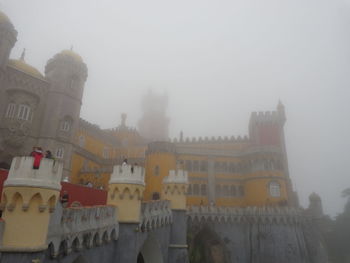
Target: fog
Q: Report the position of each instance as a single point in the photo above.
(218, 61)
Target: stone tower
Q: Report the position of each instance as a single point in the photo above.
(154, 124)
(8, 38)
(67, 74)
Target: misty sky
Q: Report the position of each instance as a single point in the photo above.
(217, 61)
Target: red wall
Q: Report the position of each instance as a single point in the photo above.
(269, 134)
(3, 177)
(86, 196)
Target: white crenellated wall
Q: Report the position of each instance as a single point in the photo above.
(47, 176)
(127, 174)
(176, 177)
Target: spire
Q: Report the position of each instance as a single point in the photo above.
(181, 136)
(123, 123)
(23, 55)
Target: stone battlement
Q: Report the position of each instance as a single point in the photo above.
(265, 116)
(47, 176)
(127, 174)
(283, 215)
(155, 214)
(176, 177)
(225, 139)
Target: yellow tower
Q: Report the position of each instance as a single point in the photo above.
(175, 189)
(160, 159)
(29, 197)
(126, 188)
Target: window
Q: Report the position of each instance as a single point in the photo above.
(155, 196)
(189, 166)
(204, 166)
(226, 191)
(81, 140)
(66, 125)
(60, 153)
(275, 189)
(241, 190)
(11, 110)
(156, 170)
(204, 189)
(189, 190)
(195, 189)
(218, 190)
(105, 153)
(72, 82)
(23, 112)
(233, 190)
(195, 166)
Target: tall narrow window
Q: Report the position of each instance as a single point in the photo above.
(11, 110)
(196, 189)
(156, 170)
(66, 125)
(105, 153)
(233, 190)
(241, 190)
(189, 166)
(275, 189)
(23, 112)
(81, 140)
(60, 152)
(195, 166)
(204, 189)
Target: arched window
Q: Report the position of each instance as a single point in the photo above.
(11, 110)
(224, 167)
(226, 190)
(218, 190)
(23, 112)
(204, 189)
(275, 189)
(156, 170)
(217, 167)
(60, 152)
(105, 153)
(66, 124)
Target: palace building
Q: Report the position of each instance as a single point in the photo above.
(43, 109)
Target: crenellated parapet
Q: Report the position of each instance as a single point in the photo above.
(264, 215)
(175, 189)
(155, 214)
(212, 140)
(125, 191)
(82, 228)
(22, 173)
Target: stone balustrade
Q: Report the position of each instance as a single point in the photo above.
(279, 215)
(155, 214)
(127, 174)
(47, 176)
(82, 227)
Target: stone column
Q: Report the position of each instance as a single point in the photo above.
(175, 189)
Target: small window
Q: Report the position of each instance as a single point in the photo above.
(60, 153)
(73, 82)
(156, 170)
(11, 110)
(189, 190)
(275, 189)
(204, 166)
(189, 166)
(195, 166)
(218, 190)
(23, 112)
(105, 153)
(204, 189)
(155, 196)
(66, 125)
(81, 140)
(226, 191)
(241, 190)
(233, 190)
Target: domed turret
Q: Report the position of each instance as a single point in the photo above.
(8, 38)
(67, 74)
(315, 206)
(21, 65)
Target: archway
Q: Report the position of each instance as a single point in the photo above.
(205, 246)
(150, 252)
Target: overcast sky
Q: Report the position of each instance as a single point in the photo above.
(218, 61)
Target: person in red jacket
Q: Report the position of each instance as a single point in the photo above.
(37, 153)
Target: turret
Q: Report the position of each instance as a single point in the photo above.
(315, 206)
(67, 74)
(29, 197)
(8, 38)
(175, 189)
(126, 188)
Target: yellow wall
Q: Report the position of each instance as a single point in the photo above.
(20, 232)
(166, 162)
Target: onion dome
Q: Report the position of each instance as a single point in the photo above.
(22, 66)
